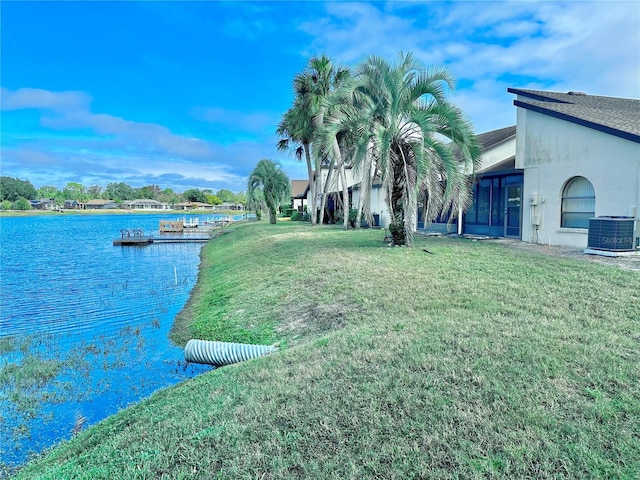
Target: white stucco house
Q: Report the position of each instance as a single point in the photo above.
(299, 192)
(569, 159)
(580, 157)
(144, 204)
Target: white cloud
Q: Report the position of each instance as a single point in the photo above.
(33, 98)
(71, 111)
(242, 120)
(116, 150)
(589, 46)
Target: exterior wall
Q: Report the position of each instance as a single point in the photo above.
(551, 151)
(378, 204)
(335, 184)
(298, 204)
(498, 153)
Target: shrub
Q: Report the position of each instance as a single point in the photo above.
(21, 204)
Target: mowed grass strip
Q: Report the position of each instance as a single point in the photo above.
(475, 361)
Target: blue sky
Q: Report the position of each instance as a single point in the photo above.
(189, 94)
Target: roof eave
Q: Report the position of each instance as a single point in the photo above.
(534, 96)
(579, 121)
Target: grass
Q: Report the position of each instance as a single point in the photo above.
(474, 362)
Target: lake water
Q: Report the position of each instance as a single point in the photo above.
(106, 310)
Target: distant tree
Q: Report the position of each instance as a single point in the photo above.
(241, 198)
(119, 192)
(94, 191)
(75, 191)
(13, 188)
(21, 204)
(195, 195)
(268, 186)
(150, 191)
(213, 200)
(168, 196)
(226, 195)
(49, 191)
(5, 205)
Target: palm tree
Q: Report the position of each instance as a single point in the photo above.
(408, 132)
(268, 186)
(300, 123)
(325, 79)
(296, 130)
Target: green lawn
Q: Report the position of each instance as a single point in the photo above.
(476, 361)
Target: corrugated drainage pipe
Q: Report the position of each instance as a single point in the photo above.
(223, 353)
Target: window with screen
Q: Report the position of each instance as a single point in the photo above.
(578, 203)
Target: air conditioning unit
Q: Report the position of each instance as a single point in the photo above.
(614, 234)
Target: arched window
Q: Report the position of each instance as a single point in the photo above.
(578, 203)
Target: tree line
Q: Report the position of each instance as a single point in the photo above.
(16, 193)
(393, 123)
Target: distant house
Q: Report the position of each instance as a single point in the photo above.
(192, 206)
(144, 204)
(299, 191)
(580, 157)
(229, 206)
(99, 204)
(182, 206)
(73, 205)
(43, 204)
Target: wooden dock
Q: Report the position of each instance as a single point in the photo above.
(133, 241)
(170, 232)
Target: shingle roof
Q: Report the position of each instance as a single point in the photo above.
(489, 139)
(299, 188)
(612, 115)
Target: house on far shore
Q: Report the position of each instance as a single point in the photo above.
(192, 206)
(228, 206)
(144, 204)
(580, 157)
(43, 204)
(73, 205)
(299, 191)
(100, 204)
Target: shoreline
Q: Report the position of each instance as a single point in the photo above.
(116, 211)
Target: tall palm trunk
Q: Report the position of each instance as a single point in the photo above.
(312, 185)
(272, 216)
(397, 226)
(326, 190)
(320, 192)
(343, 180)
(345, 196)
